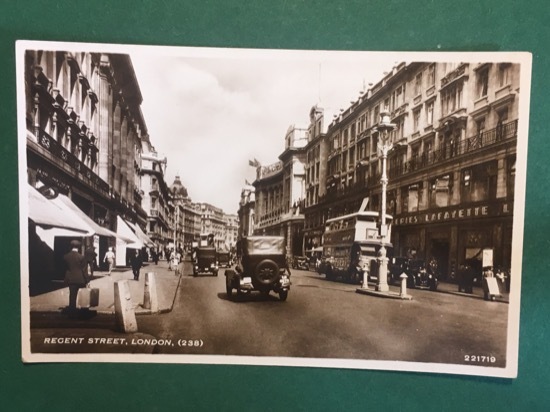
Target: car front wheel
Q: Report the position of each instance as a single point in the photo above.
(283, 294)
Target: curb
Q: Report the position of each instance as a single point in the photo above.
(386, 295)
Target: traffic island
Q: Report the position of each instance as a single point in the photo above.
(402, 295)
(387, 295)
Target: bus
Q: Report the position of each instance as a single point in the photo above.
(206, 239)
(351, 245)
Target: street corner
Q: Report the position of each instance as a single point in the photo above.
(94, 341)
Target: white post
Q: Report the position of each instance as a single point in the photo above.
(403, 291)
(124, 310)
(150, 297)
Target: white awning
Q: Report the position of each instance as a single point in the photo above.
(125, 232)
(49, 214)
(99, 230)
(142, 236)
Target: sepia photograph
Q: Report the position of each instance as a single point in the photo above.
(341, 209)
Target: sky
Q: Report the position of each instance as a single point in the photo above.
(210, 111)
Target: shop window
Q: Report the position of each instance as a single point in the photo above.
(410, 198)
(440, 191)
(479, 183)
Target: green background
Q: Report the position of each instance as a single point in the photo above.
(353, 25)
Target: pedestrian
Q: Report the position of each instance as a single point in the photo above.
(75, 274)
(90, 256)
(171, 259)
(155, 256)
(110, 259)
(136, 261)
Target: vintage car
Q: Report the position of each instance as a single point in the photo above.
(205, 261)
(261, 266)
(422, 275)
(398, 265)
(419, 274)
(300, 262)
(224, 259)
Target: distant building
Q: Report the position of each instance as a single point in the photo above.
(189, 223)
(231, 230)
(246, 212)
(157, 197)
(280, 191)
(212, 222)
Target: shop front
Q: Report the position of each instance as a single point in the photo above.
(456, 235)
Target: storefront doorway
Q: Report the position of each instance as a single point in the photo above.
(439, 249)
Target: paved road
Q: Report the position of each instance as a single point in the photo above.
(324, 319)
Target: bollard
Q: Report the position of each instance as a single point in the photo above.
(124, 311)
(403, 278)
(150, 297)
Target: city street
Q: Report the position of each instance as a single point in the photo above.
(324, 319)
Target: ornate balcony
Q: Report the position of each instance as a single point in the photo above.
(82, 171)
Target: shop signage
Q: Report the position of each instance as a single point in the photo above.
(456, 213)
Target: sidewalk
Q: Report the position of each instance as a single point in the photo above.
(167, 286)
(452, 288)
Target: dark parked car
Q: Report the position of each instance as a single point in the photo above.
(224, 259)
(419, 274)
(205, 261)
(300, 262)
(261, 266)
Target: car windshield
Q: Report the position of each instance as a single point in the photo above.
(417, 264)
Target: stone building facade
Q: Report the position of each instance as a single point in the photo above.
(280, 191)
(452, 166)
(84, 133)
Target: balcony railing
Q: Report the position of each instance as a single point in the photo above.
(451, 151)
(424, 160)
(80, 169)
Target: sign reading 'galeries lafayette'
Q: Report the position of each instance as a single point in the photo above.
(456, 213)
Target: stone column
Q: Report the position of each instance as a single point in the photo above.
(103, 128)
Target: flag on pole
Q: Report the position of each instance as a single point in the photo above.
(254, 163)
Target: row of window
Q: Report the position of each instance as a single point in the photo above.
(477, 183)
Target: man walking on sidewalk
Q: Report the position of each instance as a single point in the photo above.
(76, 275)
(136, 263)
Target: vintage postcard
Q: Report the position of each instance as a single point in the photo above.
(272, 207)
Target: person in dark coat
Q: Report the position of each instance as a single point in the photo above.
(136, 261)
(90, 256)
(76, 276)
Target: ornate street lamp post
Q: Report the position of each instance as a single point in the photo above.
(385, 145)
